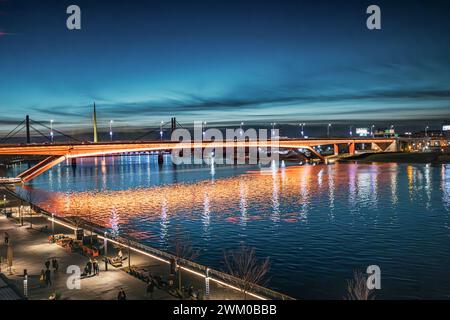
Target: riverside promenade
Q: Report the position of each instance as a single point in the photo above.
(31, 249)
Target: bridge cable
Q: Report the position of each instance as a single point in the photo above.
(45, 136)
(178, 124)
(12, 133)
(55, 130)
(151, 131)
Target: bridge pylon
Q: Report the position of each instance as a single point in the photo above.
(27, 125)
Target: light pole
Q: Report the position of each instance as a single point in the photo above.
(161, 130)
(426, 131)
(273, 124)
(302, 132)
(110, 130)
(372, 132)
(328, 130)
(351, 131)
(241, 130)
(204, 128)
(51, 130)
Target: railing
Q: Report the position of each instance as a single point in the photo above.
(201, 270)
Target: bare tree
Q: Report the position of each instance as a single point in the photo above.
(183, 250)
(244, 265)
(357, 287)
(30, 197)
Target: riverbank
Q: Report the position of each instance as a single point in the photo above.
(400, 157)
(29, 236)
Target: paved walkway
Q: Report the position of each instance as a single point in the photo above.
(31, 249)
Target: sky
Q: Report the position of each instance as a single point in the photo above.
(224, 62)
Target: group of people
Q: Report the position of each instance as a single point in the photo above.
(92, 267)
(45, 277)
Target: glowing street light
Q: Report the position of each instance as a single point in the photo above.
(351, 131)
(328, 130)
(204, 127)
(161, 130)
(241, 131)
(303, 129)
(110, 130)
(51, 130)
(273, 124)
(426, 131)
(372, 132)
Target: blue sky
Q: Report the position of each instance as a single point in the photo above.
(225, 61)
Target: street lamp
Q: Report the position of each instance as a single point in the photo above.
(372, 132)
(426, 131)
(110, 130)
(51, 130)
(204, 127)
(273, 124)
(328, 130)
(303, 131)
(161, 130)
(241, 131)
(351, 131)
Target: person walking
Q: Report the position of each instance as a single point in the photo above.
(48, 280)
(6, 238)
(55, 265)
(42, 278)
(95, 266)
(47, 264)
(89, 267)
(122, 295)
(150, 288)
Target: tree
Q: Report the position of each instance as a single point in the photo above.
(357, 287)
(244, 265)
(183, 250)
(30, 197)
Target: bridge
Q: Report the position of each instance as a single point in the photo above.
(58, 152)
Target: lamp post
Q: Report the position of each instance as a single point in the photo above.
(328, 130)
(110, 130)
(372, 132)
(204, 128)
(51, 130)
(273, 124)
(426, 131)
(302, 132)
(351, 131)
(161, 130)
(241, 130)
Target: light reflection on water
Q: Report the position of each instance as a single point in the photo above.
(317, 223)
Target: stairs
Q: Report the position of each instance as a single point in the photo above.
(41, 167)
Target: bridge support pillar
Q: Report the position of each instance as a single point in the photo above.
(160, 158)
(336, 149)
(351, 148)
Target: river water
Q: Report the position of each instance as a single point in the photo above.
(316, 223)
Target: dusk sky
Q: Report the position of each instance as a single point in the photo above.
(228, 61)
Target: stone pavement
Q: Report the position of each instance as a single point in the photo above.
(31, 249)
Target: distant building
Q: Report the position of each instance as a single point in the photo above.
(385, 133)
